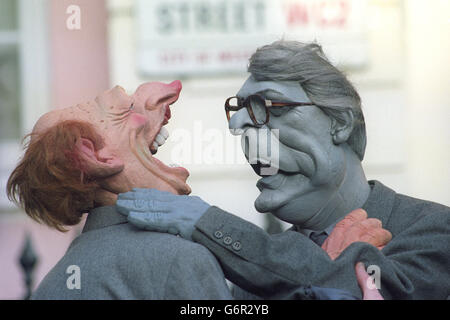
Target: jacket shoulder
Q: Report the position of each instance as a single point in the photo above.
(122, 262)
(413, 212)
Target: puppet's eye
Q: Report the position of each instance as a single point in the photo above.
(278, 111)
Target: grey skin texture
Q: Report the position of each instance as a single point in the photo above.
(320, 179)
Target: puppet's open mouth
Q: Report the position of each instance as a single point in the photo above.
(146, 149)
(160, 139)
(163, 134)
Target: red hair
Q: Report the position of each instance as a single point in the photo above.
(49, 182)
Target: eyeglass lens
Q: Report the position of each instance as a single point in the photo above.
(255, 107)
(258, 107)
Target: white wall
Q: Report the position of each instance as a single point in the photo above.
(427, 80)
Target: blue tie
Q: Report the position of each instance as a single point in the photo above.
(318, 237)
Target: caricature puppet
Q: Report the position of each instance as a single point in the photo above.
(321, 136)
(78, 160)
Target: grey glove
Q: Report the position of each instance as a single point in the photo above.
(161, 211)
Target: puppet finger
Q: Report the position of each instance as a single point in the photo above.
(155, 194)
(149, 221)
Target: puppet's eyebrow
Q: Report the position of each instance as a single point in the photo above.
(269, 93)
(272, 94)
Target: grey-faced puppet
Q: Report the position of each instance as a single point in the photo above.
(306, 107)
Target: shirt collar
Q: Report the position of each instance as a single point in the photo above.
(103, 217)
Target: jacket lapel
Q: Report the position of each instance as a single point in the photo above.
(380, 202)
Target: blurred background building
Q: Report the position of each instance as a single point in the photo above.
(55, 53)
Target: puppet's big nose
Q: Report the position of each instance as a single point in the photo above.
(158, 94)
(239, 122)
(176, 85)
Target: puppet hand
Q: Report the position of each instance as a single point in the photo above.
(370, 292)
(160, 211)
(353, 228)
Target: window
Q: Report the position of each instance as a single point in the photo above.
(9, 72)
(23, 79)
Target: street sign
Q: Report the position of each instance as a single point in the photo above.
(188, 37)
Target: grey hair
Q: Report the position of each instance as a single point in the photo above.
(325, 85)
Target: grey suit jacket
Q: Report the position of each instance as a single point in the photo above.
(414, 265)
(119, 261)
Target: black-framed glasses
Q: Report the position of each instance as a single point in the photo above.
(258, 107)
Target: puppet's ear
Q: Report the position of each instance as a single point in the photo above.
(342, 128)
(97, 163)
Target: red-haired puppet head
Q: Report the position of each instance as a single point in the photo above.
(82, 156)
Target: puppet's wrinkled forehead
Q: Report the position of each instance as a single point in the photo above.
(287, 90)
(113, 98)
(80, 112)
(46, 121)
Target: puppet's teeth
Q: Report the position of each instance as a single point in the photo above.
(160, 139)
(164, 132)
(155, 145)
